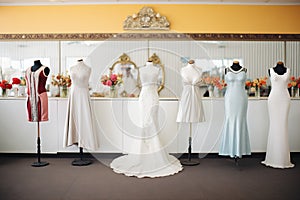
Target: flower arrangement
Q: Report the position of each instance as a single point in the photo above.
(4, 84)
(19, 81)
(215, 81)
(257, 83)
(112, 80)
(294, 82)
(61, 80)
(220, 84)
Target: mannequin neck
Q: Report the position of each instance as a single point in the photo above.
(280, 69)
(236, 66)
(36, 66)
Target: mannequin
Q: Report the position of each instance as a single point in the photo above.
(279, 69)
(37, 65)
(235, 138)
(190, 108)
(278, 151)
(80, 131)
(37, 102)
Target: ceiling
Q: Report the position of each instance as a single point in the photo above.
(52, 2)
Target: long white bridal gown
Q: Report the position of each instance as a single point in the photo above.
(150, 160)
(278, 152)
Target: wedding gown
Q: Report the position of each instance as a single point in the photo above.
(190, 105)
(80, 126)
(278, 153)
(150, 160)
(235, 139)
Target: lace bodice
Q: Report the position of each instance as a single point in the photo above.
(149, 75)
(80, 75)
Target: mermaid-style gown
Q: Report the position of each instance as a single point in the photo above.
(150, 160)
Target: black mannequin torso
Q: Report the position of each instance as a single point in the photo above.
(235, 67)
(279, 69)
(37, 65)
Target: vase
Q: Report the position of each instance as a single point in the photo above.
(113, 92)
(257, 92)
(4, 92)
(63, 91)
(210, 90)
(216, 92)
(21, 91)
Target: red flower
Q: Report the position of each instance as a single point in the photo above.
(8, 86)
(108, 83)
(299, 85)
(113, 77)
(16, 81)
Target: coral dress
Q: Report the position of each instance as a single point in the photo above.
(37, 100)
(278, 152)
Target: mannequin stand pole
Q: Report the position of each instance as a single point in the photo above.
(39, 163)
(81, 161)
(189, 161)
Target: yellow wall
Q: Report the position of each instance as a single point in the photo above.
(192, 18)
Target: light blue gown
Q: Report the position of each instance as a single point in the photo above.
(235, 138)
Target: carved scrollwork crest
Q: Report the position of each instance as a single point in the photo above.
(146, 19)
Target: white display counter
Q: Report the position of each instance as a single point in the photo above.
(118, 119)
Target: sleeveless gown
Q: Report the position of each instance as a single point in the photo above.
(278, 153)
(81, 127)
(190, 105)
(235, 138)
(150, 160)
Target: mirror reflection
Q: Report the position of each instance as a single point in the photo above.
(211, 56)
(130, 76)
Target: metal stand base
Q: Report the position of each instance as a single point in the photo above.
(39, 164)
(187, 162)
(80, 162)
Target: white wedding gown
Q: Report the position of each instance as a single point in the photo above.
(278, 152)
(81, 127)
(150, 160)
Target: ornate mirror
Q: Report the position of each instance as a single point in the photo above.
(156, 61)
(130, 76)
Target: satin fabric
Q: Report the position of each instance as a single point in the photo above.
(190, 107)
(148, 157)
(278, 152)
(235, 137)
(81, 127)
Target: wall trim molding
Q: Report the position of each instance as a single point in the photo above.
(158, 36)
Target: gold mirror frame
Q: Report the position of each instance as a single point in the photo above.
(156, 61)
(123, 60)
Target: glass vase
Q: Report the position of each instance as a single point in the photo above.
(63, 91)
(113, 92)
(22, 91)
(4, 92)
(257, 92)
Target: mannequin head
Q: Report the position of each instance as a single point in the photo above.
(236, 65)
(191, 62)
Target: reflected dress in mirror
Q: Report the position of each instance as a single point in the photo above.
(149, 158)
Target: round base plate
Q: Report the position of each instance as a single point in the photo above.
(39, 164)
(81, 162)
(187, 162)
